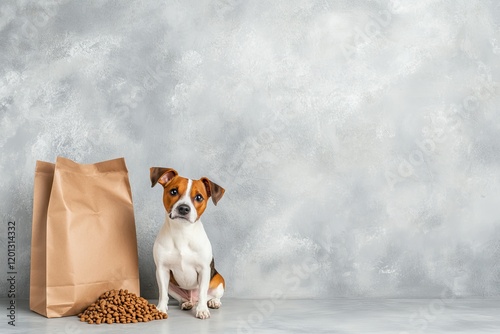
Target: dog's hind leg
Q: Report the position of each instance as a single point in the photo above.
(215, 291)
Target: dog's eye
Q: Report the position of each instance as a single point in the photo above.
(198, 198)
(174, 192)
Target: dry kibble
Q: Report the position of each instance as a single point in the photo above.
(120, 306)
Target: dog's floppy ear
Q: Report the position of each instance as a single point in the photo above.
(213, 190)
(161, 175)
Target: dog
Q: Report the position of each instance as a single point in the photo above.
(182, 252)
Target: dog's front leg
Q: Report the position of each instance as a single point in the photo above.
(202, 311)
(163, 279)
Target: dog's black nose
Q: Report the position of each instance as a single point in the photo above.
(183, 209)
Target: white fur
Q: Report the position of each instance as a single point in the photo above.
(183, 248)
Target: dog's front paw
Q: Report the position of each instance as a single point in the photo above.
(162, 307)
(202, 312)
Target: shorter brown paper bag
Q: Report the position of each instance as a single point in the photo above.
(83, 235)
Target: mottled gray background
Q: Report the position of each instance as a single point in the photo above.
(358, 141)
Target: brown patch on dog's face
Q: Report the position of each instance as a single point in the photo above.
(199, 197)
(173, 191)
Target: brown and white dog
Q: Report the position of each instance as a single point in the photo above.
(182, 252)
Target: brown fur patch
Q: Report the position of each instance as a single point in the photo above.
(179, 183)
(216, 280)
(198, 188)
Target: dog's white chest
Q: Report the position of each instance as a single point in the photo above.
(185, 250)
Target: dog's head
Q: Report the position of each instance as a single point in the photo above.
(183, 198)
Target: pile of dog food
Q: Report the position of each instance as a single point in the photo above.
(120, 306)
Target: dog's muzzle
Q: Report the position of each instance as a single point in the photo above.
(181, 212)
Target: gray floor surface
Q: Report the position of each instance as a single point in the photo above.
(401, 316)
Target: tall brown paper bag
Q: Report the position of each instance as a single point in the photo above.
(83, 235)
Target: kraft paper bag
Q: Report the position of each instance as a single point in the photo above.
(83, 235)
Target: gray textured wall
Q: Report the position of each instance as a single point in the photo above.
(358, 141)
